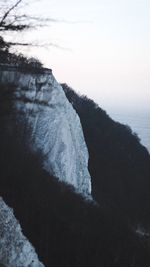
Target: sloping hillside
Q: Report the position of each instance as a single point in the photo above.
(119, 164)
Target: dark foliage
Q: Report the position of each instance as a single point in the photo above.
(65, 230)
(119, 164)
(18, 60)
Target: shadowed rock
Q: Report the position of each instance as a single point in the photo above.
(15, 249)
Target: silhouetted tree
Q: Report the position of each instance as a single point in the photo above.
(12, 19)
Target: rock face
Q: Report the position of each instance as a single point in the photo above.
(15, 249)
(52, 126)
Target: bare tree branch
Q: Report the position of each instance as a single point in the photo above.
(42, 45)
(13, 19)
(9, 11)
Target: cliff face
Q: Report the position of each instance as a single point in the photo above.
(51, 125)
(15, 249)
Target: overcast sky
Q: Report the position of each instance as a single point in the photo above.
(105, 49)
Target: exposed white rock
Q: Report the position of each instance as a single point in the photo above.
(142, 232)
(53, 125)
(15, 249)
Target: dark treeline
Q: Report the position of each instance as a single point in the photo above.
(65, 230)
(6, 57)
(119, 164)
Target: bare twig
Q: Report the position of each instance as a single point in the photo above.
(9, 11)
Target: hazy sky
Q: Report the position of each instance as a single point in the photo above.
(106, 51)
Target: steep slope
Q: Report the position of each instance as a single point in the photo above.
(49, 124)
(119, 165)
(15, 249)
(65, 229)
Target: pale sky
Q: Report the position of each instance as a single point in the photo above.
(105, 49)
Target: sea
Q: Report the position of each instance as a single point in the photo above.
(139, 123)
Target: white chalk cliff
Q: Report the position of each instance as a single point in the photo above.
(15, 249)
(52, 125)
